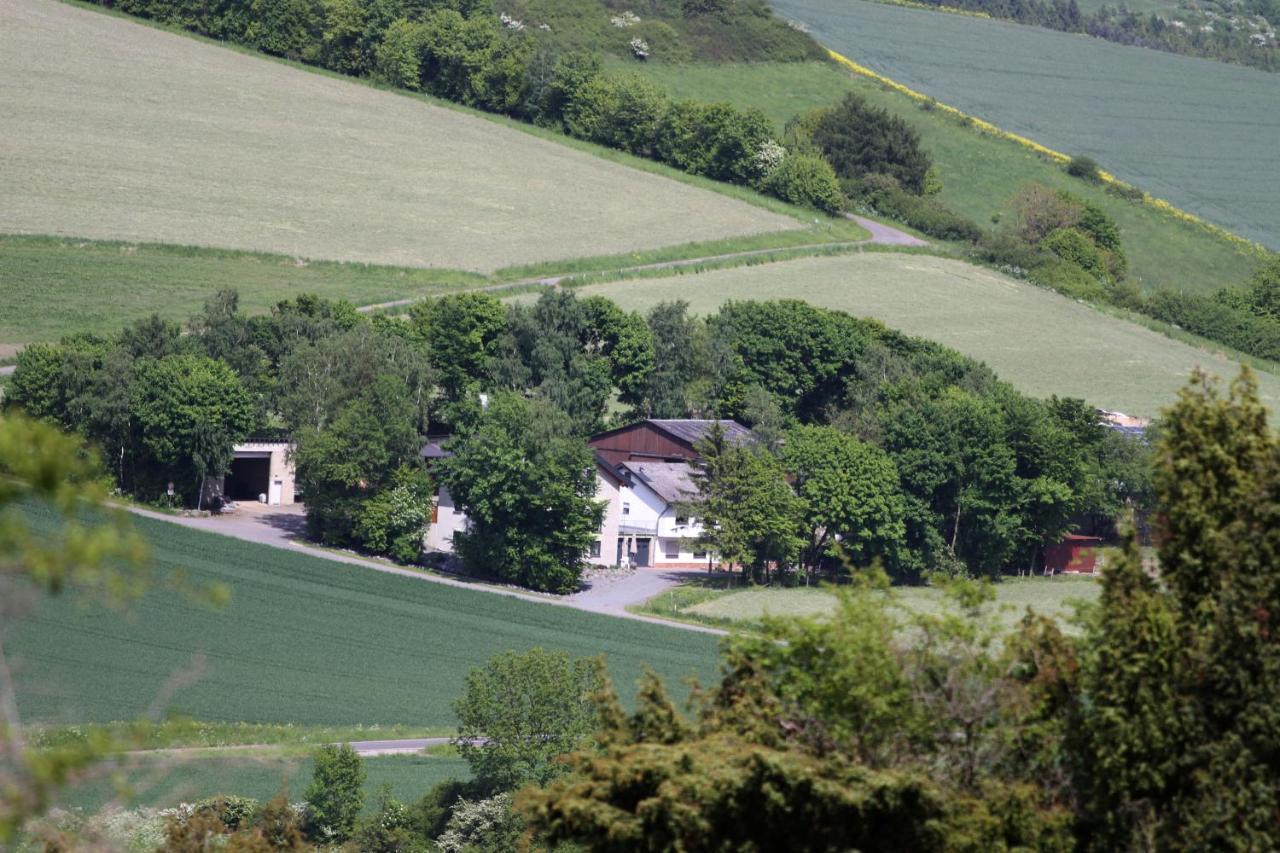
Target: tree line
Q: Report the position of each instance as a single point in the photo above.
(872, 445)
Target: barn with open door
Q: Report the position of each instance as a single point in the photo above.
(260, 471)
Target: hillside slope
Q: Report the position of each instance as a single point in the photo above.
(117, 130)
(308, 641)
(979, 172)
(1040, 341)
(1198, 133)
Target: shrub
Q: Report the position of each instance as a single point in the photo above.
(1205, 316)
(1085, 168)
(807, 180)
(927, 215)
(488, 825)
(336, 794)
(617, 110)
(1041, 210)
(519, 712)
(1072, 245)
(858, 140)
(394, 522)
(716, 140)
(234, 812)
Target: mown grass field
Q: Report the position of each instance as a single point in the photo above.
(1054, 597)
(51, 287)
(163, 781)
(306, 641)
(116, 130)
(1042, 342)
(1199, 133)
(980, 172)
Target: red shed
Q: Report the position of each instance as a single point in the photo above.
(1075, 553)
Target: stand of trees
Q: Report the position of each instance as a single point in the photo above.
(874, 446)
(1155, 729)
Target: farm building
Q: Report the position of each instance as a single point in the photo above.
(261, 471)
(1075, 554)
(644, 476)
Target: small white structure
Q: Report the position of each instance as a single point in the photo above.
(446, 520)
(261, 471)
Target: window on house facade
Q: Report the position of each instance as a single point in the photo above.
(681, 521)
(699, 555)
(626, 508)
(595, 548)
(672, 550)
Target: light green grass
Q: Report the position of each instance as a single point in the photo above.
(980, 172)
(1196, 132)
(1040, 341)
(201, 734)
(163, 782)
(114, 130)
(306, 641)
(1054, 597)
(50, 287)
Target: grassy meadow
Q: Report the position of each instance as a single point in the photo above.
(1199, 133)
(119, 131)
(164, 781)
(54, 286)
(1040, 341)
(980, 172)
(305, 641)
(745, 607)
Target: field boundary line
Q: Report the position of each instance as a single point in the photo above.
(1147, 200)
(879, 235)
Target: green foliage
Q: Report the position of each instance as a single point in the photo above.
(1085, 168)
(807, 180)
(355, 457)
(190, 411)
(527, 487)
(488, 825)
(618, 110)
(715, 140)
(95, 554)
(1073, 246)
(852, 503)
(394, 521)
(750, 516)
(336, 793)
(858, 140)
(924, 213)
(462, 332)
(1178, 720)
(389, 829)
(519, 712)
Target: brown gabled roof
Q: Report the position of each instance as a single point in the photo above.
(693, 430)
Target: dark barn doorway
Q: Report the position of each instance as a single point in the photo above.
(248, 478)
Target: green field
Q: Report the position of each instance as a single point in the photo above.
(55, 286)
(1199, 133)
(307, 641)
(1055, 597)
(1042, 342)
(164, 782)
(980, 172)
(116, 130)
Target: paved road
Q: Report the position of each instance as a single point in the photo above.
(886, 235)
(407, 746)
(283, 527)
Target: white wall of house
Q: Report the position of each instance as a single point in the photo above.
(605, 550)
(446, 520)
(279, 488)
